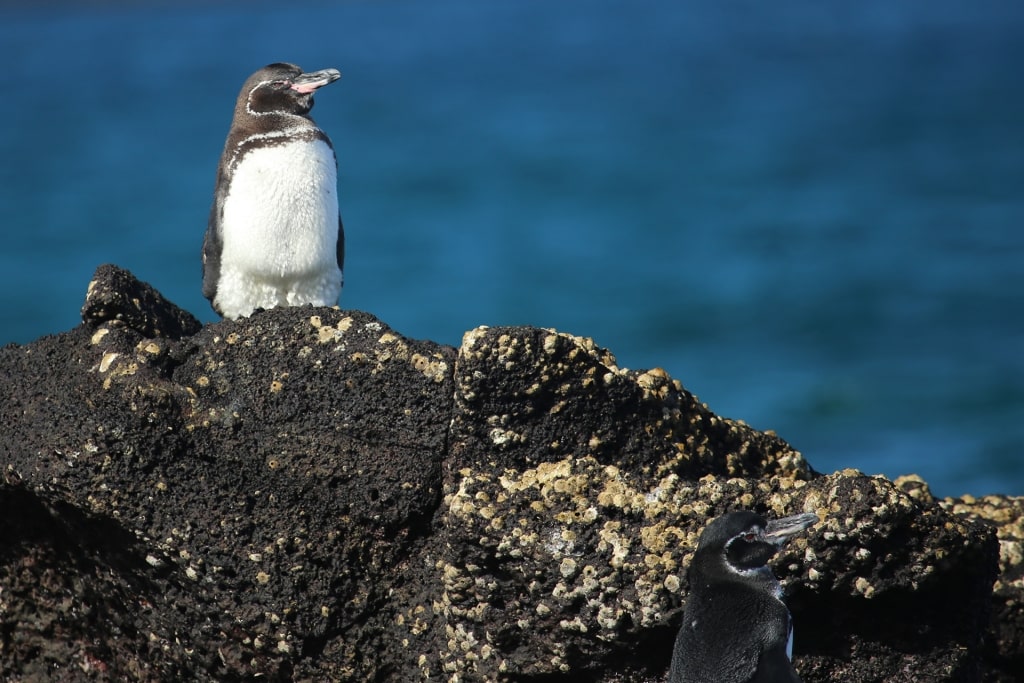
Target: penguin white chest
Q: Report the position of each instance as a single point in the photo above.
(281, 211)
(279, 229)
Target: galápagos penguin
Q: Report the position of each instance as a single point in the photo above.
(275, 236)
(736, 629)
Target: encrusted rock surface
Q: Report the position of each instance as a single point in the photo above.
(115, 294)
(1006, 641)
(308, 495)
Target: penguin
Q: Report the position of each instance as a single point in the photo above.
(736, 629)
(275, 237)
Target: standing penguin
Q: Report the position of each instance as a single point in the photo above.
(275, 236)
(736, 629)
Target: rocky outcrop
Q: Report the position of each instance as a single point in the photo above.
(308, 495)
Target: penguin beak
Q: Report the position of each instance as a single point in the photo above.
(307, 83)
(779, 531)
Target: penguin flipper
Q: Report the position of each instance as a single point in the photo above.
(773, 666)
(213, 245)
(341, 246)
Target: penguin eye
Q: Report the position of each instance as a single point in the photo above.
(749, 536)
(279, 84)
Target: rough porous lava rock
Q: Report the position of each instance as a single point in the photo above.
(1005, 643)
(115, 294)
(308, 495)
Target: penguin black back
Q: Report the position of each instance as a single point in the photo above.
(736, 629)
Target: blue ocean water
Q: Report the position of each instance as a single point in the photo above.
(812, 214)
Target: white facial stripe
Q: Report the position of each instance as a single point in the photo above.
(248, 98)
(758, 530)
(250, 110)
(763, 573)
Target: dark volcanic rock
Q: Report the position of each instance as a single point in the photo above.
(1005, 644)
(307, 495)
(115, 294)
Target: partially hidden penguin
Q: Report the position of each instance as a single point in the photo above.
(275, 236)
(736, 628)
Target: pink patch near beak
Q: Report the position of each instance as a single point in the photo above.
(305, 88)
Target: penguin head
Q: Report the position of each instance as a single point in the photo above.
(283, 89)
(746, 540)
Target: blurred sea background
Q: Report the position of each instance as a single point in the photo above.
(811, 214)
